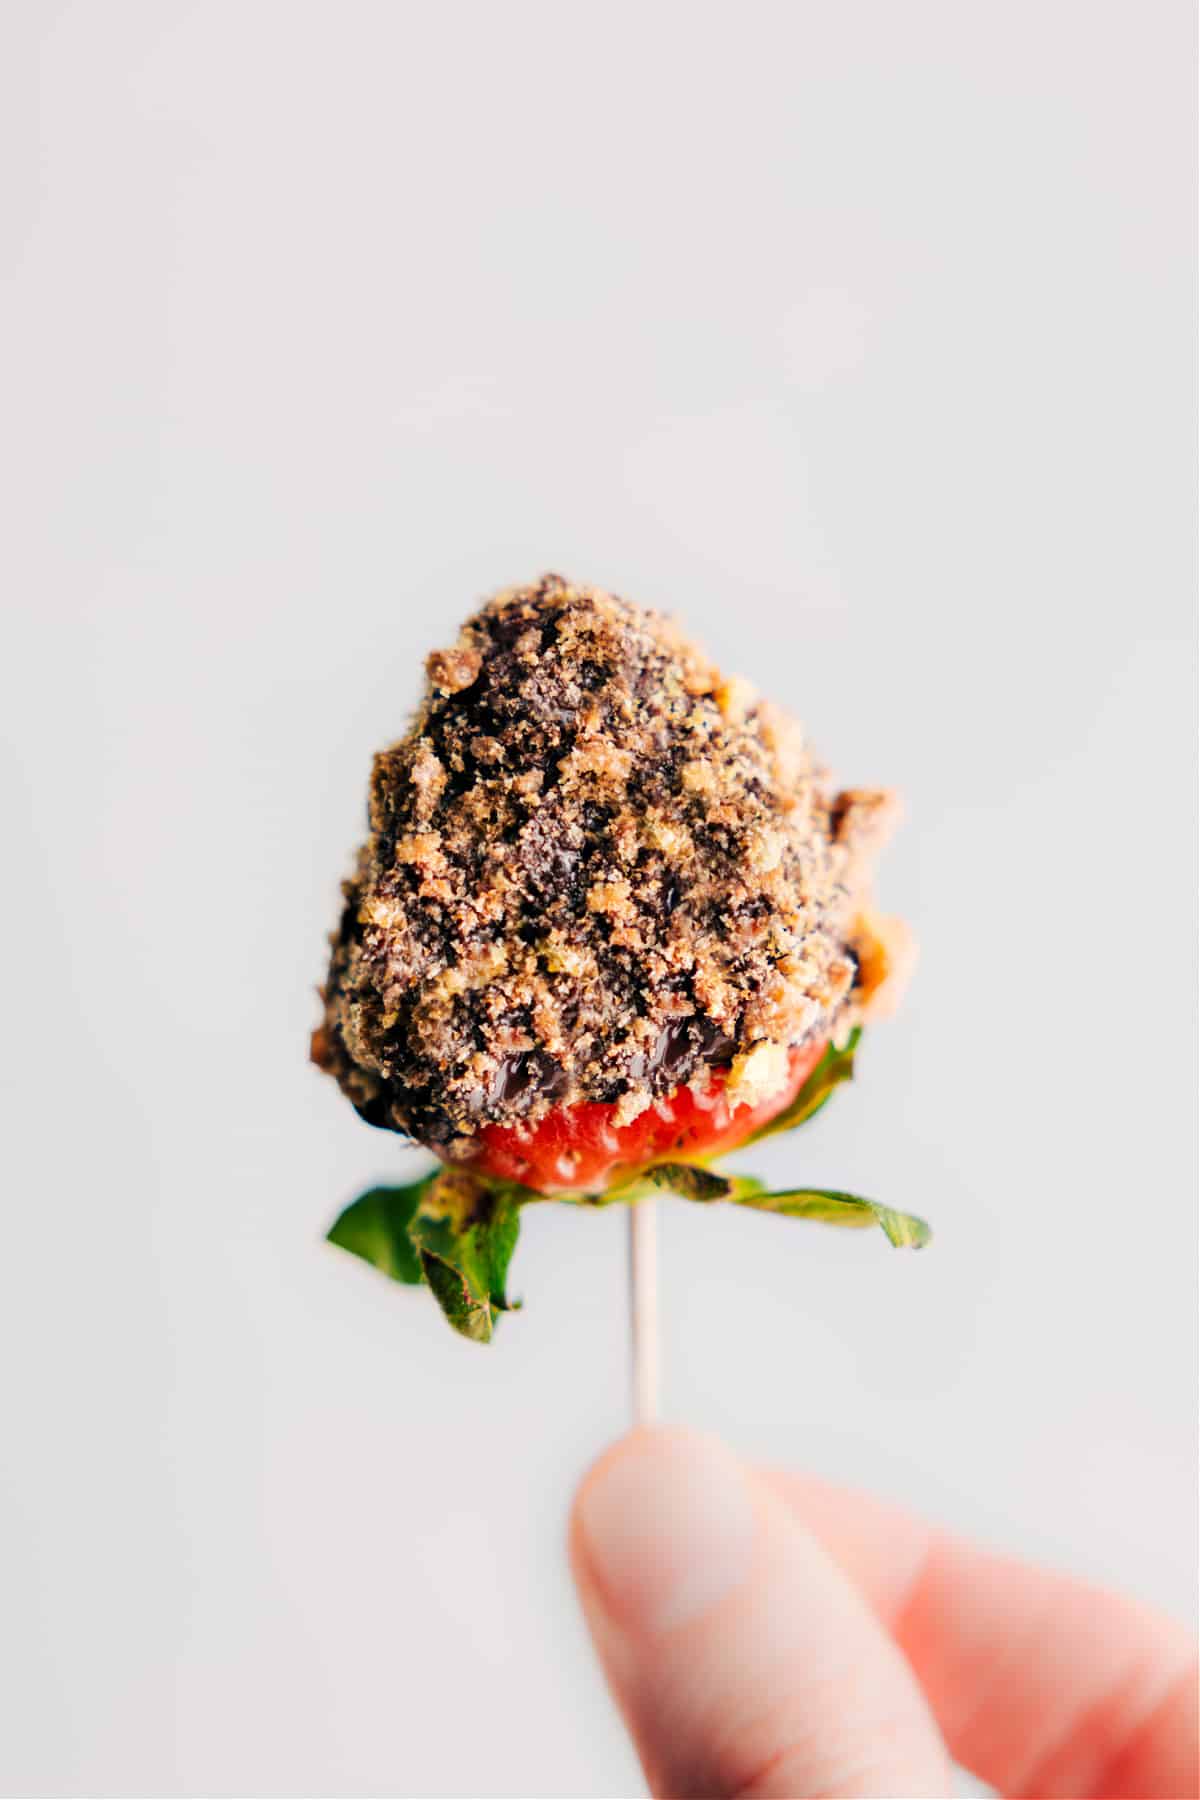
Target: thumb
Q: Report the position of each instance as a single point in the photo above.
(743, 1660)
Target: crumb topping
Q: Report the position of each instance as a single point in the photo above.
(596, 867)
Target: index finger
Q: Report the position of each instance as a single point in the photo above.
(1041, 1684)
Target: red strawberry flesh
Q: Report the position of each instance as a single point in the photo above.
(580, 1148)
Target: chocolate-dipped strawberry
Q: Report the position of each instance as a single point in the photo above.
(609, 923)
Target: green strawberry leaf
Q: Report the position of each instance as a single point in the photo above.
(465, 1231)
(834, 1067)
(828, 1205)
(692, 1182)
(832, 1207)
(375, 1227)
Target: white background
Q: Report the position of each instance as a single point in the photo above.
(861, 336)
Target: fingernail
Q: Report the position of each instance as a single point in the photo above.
(667, 1526)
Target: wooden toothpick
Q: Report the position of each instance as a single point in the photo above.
(643, 1309)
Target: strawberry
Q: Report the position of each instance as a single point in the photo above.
(589, 847)
(580, 1148)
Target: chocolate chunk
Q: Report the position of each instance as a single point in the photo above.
(714, 1045)
(531, 1075)
(674, 1049)
(686, 1044)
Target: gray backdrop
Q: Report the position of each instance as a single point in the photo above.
(859, 335)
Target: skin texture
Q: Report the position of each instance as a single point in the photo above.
(765, 1634)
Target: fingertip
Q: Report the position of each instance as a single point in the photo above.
(661, 1527)
(649, 1440)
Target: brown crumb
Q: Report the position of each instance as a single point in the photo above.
(452, 670)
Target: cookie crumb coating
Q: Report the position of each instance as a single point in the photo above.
(596, 868)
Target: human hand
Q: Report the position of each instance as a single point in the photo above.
(770, 1635)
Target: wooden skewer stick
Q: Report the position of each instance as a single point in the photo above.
(643, 1309)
